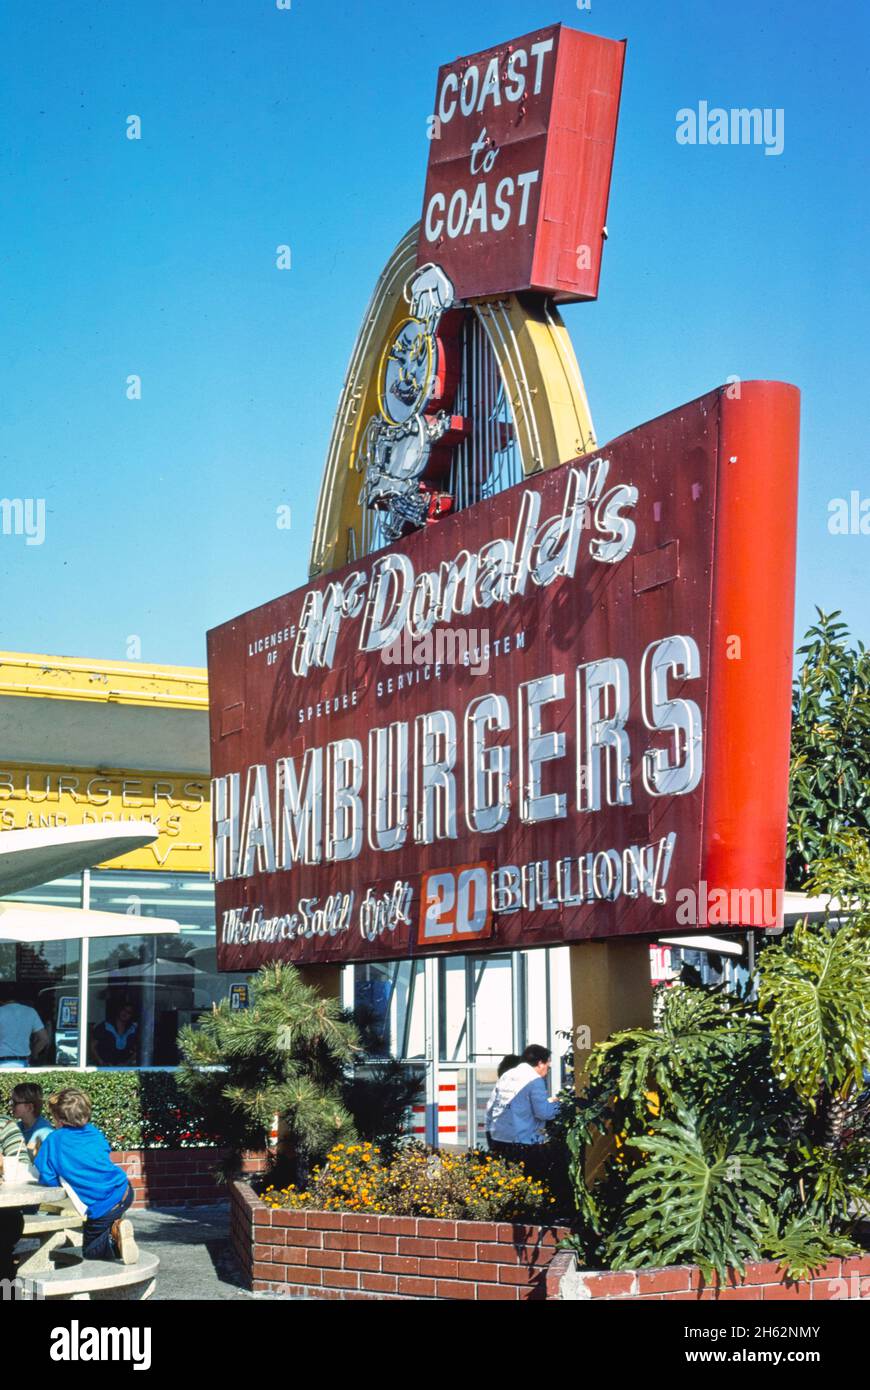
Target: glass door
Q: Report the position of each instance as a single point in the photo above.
(479, 1017)
(389, 1002)
(451, 1019)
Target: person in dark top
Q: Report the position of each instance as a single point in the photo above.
(116, 1041)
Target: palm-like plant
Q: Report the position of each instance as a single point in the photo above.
(702, 1036)
(700, 1195)
(800, 1244)
(738, 1129)
(815, 989)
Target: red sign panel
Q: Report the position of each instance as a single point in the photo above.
(522, 140)
(561, 714)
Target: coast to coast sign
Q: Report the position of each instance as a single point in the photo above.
(536, 721)
(522, 141)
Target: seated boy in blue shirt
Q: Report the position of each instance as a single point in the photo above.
(76, 1152)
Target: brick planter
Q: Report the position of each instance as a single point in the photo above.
(763, 1281)
(341, 1255)
(174, 1177)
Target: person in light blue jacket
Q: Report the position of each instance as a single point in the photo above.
(518, 1110)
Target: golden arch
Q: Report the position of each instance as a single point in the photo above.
(541, 378)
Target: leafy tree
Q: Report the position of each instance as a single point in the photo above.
(829, 793)
(845, 873)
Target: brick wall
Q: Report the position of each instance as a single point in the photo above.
(173, 1177)
(341, 1255)
(763, 1281)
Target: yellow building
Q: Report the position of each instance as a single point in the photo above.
(95, 742)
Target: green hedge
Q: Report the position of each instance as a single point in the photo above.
(134, 1109)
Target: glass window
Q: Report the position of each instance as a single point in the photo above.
(485, 1079)
(46, 976)
(389, 1004)
(493, 1006)
(143, 989)
(537, 1003)
(562, 1018)
(452, 1008)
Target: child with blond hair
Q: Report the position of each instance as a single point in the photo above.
(76, 1155)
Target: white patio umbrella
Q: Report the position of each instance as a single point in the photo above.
(29, 858)
(32, 923)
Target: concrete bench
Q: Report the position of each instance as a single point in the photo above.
(93, 1279)
(49, 1231)
(40, 1223)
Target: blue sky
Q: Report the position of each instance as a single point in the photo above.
(307, 127)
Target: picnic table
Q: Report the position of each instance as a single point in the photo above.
(53, 1227)
(51, 1271)
(30, 1194)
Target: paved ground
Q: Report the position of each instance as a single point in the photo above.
(193, 1246)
